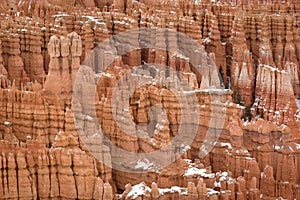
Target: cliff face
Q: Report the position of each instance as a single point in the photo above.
(64, 173)
(78, 118)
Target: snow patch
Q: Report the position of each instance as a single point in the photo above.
(217, 184)
(143, 164)
(173, 189)
(7, 123)
(138, 190)
(89, 118)
(226, 144)
(277, 147)
(212, 192)
(193, 171)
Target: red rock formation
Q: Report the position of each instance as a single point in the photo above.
(64, 62)
(290, 62)
(275, 97)
(44, 141)
(242, 70)
(13, 60)
(53, 169)
(3, 72)
(212, 42)
(268, 182)
(31, 43)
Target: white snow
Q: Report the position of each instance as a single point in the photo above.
(159, 127)
(61, 15)
(193, 171)
(211, 191)
(273, 68)
(89, 118)
(173, 189)
(153, 141)
(226, 144)
(224, 176)
(186, 148)
(217, 184)
(206, 40)
(263, 175)
(138, 190)
(143, 164)
(7, 123)
(197, 2)
(277, 147)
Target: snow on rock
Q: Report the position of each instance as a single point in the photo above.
(212, 192)
(173, 189)
(194, 171)
(224, 176)
(297, 116)
(143, 164)
(226, 144)
(138, 190)
(7, 123)
(217, 184)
